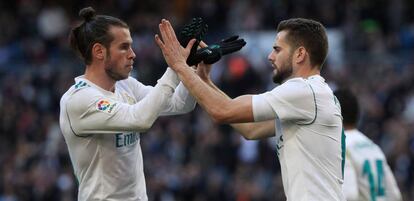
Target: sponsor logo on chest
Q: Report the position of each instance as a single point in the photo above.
(126, 139)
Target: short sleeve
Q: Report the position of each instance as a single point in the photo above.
(292, 101)
(262, 110)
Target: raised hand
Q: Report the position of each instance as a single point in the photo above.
(174, 54)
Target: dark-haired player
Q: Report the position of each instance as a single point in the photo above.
(367, 174)
(301, 112)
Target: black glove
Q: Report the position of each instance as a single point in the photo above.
(196, 29)
(213, 53)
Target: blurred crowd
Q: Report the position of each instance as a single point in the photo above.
(189, 157)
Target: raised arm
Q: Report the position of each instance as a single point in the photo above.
(89, 112)
(251, 130)
(221, 109)
(181, 102)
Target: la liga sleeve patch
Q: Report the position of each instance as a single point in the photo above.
(106, 105)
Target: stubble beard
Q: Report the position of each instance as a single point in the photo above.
(283, 73)
(110, 69)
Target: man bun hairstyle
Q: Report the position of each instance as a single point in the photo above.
(307, 33)
(87, 13)
(93, 29)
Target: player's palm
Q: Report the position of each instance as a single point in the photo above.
(174, 54)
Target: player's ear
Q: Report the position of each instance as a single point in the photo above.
(98, 51)
(300, 55)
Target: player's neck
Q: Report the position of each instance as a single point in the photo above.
(349, 127)
(99, 77)
(306, 72)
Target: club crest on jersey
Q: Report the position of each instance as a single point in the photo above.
(129, 99)
(105, 106)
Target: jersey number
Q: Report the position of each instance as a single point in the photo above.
(376, 187)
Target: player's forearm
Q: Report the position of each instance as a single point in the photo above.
(214, 87)
(212, 101)
(149, 108)
(245, 130)
(181, 102)
(92, 114)
(250, 131)
(255, 130)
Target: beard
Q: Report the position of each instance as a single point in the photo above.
(112, 72)
(284, 73)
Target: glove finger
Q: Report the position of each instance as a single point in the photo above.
(189, 31)
(233, 48)
(238, 41)
(234, 43)
(229, 39)
(197, 29)
(212, 59)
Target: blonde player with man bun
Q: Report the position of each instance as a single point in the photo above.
(103, 113)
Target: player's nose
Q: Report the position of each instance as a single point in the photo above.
(270, 56)
(131, 54)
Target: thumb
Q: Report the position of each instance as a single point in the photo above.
(190, 44)
(203, 44)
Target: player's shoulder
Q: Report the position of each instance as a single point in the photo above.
(355, 140)
(354, 136)
(80, 93)
(130, 83)
(128, 80)
(295, 81)
(314, 81)
(293, 90)
(82, 88)
(293, 85)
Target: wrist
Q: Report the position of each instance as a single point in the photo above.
(170, 79)
(181, 67)
(205, 78)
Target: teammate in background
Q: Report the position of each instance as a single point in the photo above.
(103, 113)
(367, 174)
(302, 111)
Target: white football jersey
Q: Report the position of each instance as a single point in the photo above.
(367, 174)
(101, 130)
(310, 142)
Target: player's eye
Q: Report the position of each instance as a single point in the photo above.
(125, 46)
